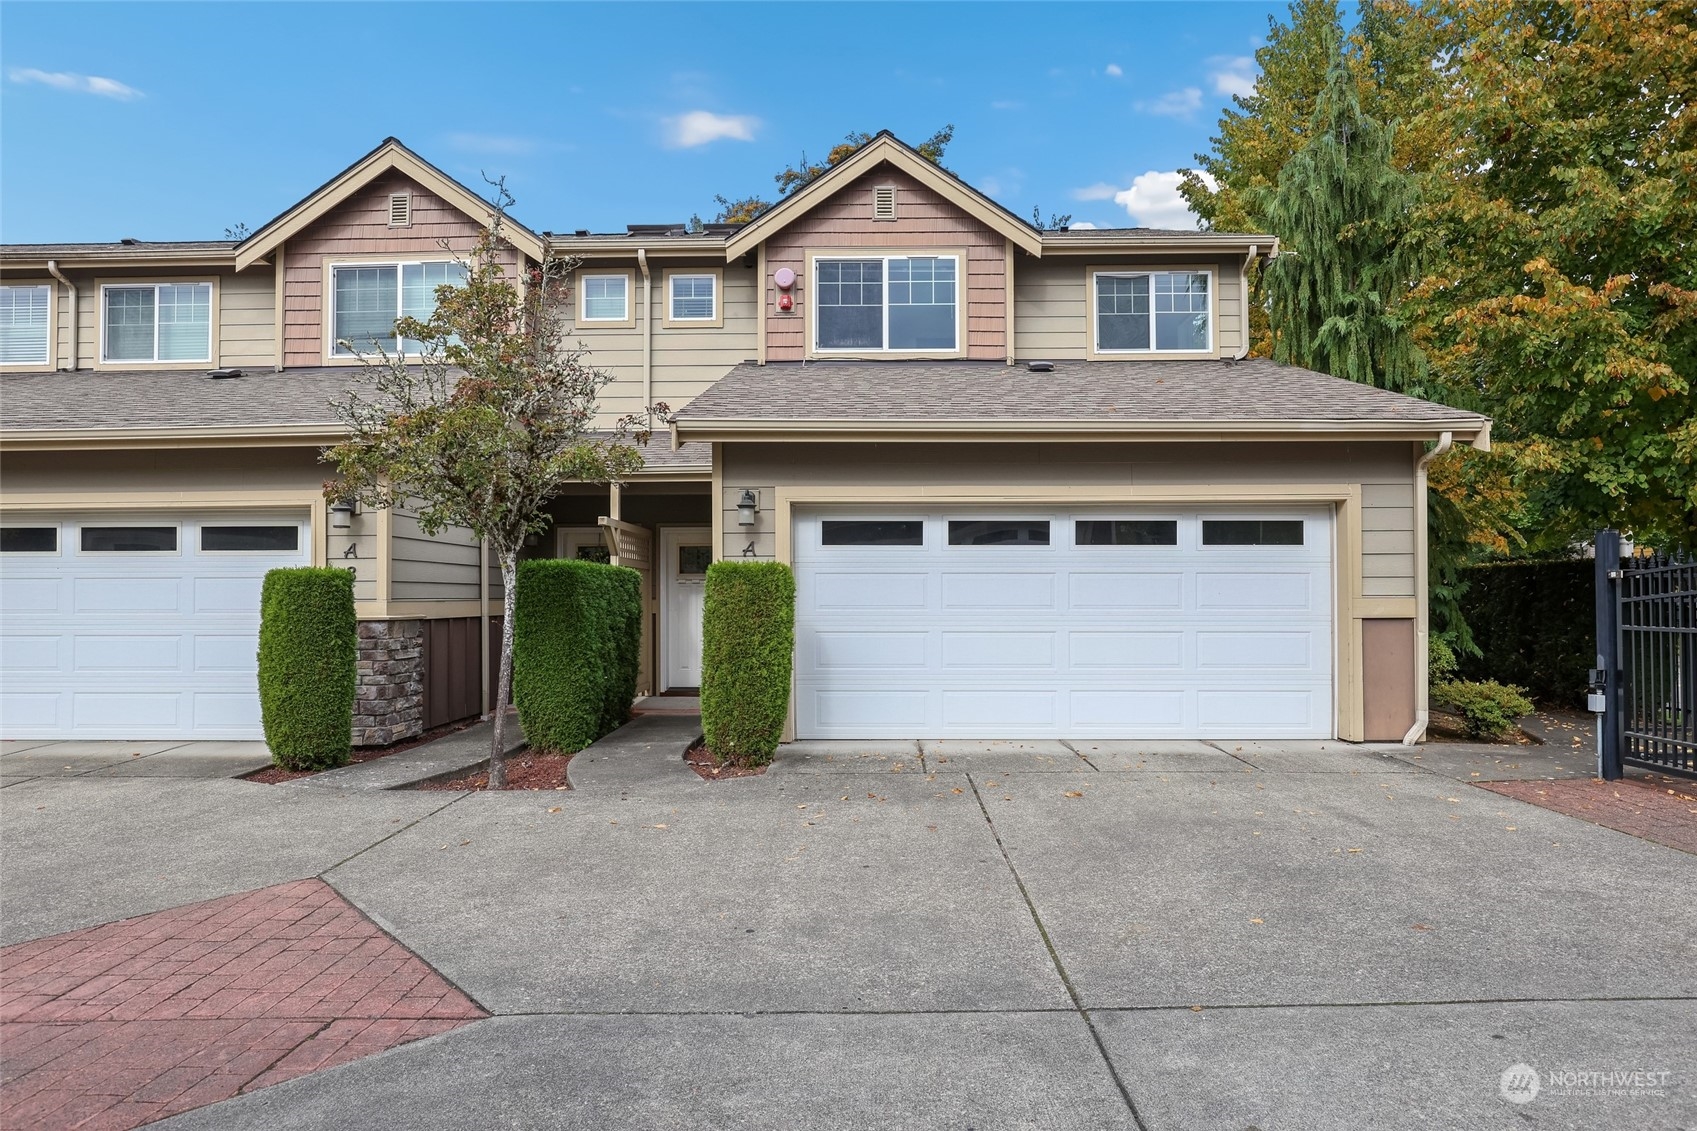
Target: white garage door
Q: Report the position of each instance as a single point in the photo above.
(137, 626)
(1064, 623)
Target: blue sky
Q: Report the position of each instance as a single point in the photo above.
(174, 121)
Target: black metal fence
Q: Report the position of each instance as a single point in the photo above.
(1651, 660)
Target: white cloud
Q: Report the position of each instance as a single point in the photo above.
(1153, 200)
(1082, 226)
(1233, 75)
(1113, 70)
(699, 127)
(1101, 190)
(1174, 104)
(79, 84)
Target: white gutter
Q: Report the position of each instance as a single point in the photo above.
(1243, 288)
(53, 269)
(1422, 629)
(647, 329)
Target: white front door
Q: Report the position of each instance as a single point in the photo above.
(137, 626)
(685, 554)
(1060, 623)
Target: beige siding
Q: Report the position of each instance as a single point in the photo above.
(1052, 308)
(247, 336)
(1384, 471)
(431, 569)
(924, 220)
(359, 227)
(685, 360)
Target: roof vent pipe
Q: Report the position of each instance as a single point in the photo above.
(53, 270)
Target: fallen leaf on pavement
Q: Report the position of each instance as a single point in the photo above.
(555, 809)
(1073, 793)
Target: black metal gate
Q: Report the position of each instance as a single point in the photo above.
(1647, 656)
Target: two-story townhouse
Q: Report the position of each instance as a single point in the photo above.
(1029, 481)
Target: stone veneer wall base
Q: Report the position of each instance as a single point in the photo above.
(389, 699)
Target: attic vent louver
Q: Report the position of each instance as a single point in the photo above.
(400, 210)
(884, 202)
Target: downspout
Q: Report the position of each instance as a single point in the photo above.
(71, 288)
(1243, 287)
(1422, 703)
(647, 329)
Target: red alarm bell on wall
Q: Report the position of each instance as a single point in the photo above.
(785, 302)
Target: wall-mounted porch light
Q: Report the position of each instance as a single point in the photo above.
(746, 506)
(342, 514)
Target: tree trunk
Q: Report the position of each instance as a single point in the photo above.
(504, 683)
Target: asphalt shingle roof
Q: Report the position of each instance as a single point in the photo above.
(1242, 392)
(163, 399)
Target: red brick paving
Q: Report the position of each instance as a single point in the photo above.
(115, 1026)
(1656, 808)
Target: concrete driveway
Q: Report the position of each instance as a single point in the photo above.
(983, 935)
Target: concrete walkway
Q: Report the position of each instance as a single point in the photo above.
(984, 935)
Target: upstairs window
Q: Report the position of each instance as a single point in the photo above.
(23, 325)
(693, 298)
(1157, 311)
(157, 322)
(606, 298)
(367, 299)
(891, 302)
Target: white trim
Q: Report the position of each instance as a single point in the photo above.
(1154, 343)
(302, 536)
(58, 529)
(845, 255)
(331, 266)
(671, 296)
(78, 551)
(583, 296)
(211, 318)
(49, 326)
(670, 537)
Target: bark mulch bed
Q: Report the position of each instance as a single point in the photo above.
(271, 775)
(1445, 727)
(701, 761)
(527, 771)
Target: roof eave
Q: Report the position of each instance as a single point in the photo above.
(1471, 430)
(1234, 242)
(149, 259)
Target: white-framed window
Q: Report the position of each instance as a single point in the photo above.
(886, 303)
(24, 325)
(41, 538)
(692, 298)
(606, 298)
(367, 299)
(1154, 312)
(150, 322)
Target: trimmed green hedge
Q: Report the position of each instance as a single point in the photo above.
(308, 666)
(577, 639)
(747, 640)
(1535, 623)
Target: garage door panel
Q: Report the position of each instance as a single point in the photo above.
(127, 594)
(869, 650)
(156, 710)
(1255, 650)
(1128, 651)
(1126, 590)
(833, 589)
(998, 650)
(1176, 639)
(973, 591)
(226, 653)
(227, 594)
(29, 594)
(215, 712)
(127, 653)
(22, 712)
(30, 653)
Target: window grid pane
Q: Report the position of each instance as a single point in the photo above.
(185, 322)
(1181, 311)
(998, 532)
(1252, 532)
(249, 538)
(1127, 532)
(692, 298)
(23, 325)
(872, 532)
(366, 301)
(1122, 312)
(922, 305)
(129, 323)
(419, 282)
(604, 298)
(850, 304)
(129, 539)
(29, 540)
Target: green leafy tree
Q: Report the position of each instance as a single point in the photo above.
(485, 425)
(1563, 300)
(1343, 214)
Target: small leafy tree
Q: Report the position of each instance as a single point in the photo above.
(487, 422)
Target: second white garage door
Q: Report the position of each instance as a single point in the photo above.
(1064, 623)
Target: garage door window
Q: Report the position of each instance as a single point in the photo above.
(872, 532)
(250, 539)
(1251, 532)
(1127, 532)
(998, 532)
(129, 539)
(29, 540)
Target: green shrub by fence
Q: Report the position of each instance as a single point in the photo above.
(748, 637)
(577, 639)
(1534, 622)
(308, 666)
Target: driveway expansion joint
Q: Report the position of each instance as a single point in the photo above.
(1055, 958)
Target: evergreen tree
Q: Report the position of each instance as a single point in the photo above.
(1342, 212)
